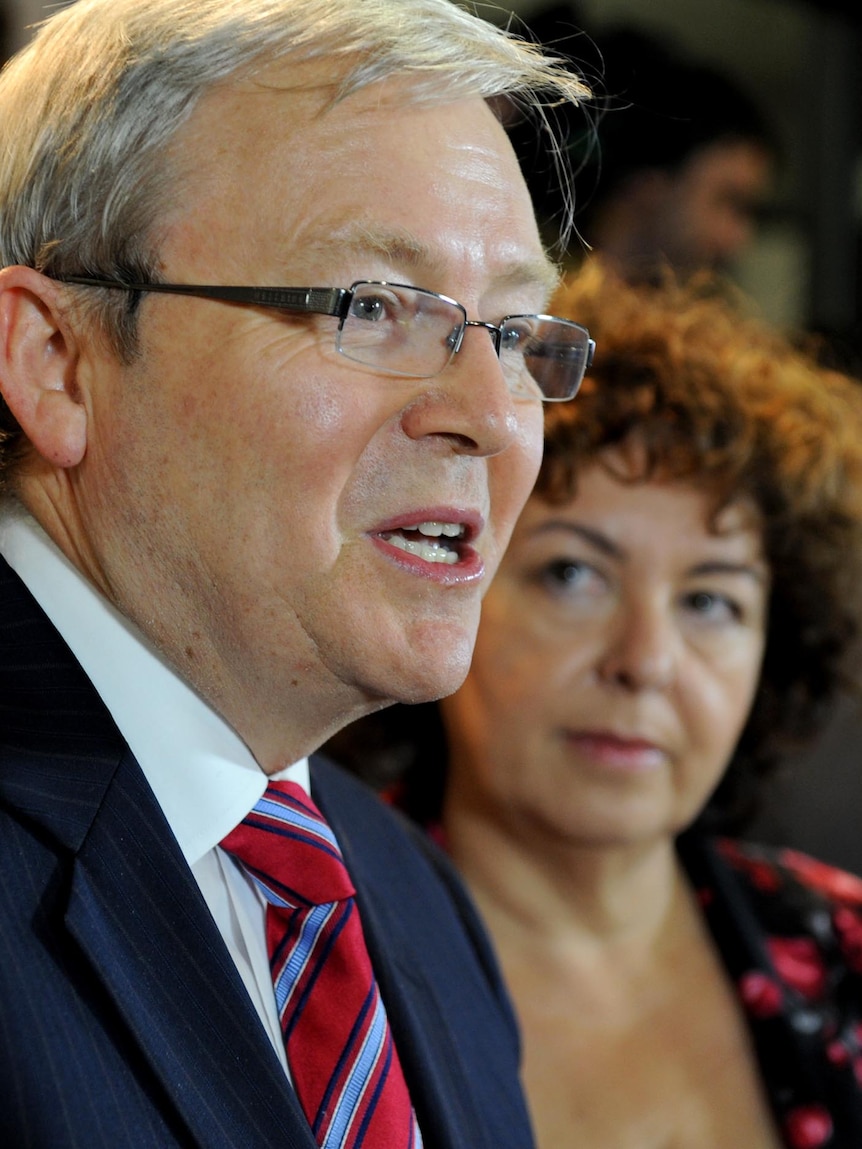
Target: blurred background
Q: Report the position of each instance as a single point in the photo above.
(799, 61)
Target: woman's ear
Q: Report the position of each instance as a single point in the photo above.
(38, 366)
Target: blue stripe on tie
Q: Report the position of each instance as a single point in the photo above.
(299, 1005)
(346, 1054)
(299, 819)
(262, 881)
(357, 1080)
(372, 1102)
(312, 927)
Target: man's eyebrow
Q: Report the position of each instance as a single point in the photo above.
(399, 248)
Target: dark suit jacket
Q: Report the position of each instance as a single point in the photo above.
(123, 1021)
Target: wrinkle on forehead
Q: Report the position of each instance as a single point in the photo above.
(315, 184)
(401, 249)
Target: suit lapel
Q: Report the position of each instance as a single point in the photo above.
(134, 908)
(137, 913)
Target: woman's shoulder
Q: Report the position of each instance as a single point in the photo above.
(773, 869)
(789, 930)
(804, 911)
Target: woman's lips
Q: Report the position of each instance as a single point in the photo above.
(615, 751)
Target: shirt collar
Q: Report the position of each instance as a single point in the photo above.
(203, 775)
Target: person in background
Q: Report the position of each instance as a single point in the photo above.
(670, 618)
(677, 167)
(273, 350)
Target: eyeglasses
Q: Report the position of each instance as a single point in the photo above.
(407, 331)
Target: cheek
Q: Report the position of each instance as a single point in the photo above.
(720, 710)
(513, 473)
(510, 670)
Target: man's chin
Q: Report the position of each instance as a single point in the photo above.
(420, 683)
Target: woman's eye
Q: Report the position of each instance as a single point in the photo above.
(713, 607)
(567, 574)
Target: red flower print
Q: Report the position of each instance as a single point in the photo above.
(760, 994)
(848, 926)
(836, 883)
(837, 1053)
(762, 875)
(799, 964)
(808, 1126)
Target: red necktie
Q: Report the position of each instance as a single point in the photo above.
(339, 1048)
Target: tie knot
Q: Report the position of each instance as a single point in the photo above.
(289, 849)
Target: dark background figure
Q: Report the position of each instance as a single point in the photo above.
(679, 166)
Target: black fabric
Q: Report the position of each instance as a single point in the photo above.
(789, 931)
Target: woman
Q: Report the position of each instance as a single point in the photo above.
(670, 617)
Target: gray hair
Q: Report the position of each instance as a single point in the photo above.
(89, 108)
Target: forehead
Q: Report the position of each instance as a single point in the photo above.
(281, 173)
(647, 514)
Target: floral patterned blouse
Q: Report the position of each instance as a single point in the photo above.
(789, 930)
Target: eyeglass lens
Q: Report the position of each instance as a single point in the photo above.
(412, 332)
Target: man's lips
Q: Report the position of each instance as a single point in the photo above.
(435, 541)
(619, 751)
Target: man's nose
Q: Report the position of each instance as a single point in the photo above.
(470, 402)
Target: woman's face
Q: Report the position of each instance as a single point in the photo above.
(618, 656)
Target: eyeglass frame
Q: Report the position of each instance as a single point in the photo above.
(334, 301)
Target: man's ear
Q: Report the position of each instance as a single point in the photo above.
(38, 366)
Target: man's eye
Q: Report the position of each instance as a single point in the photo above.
(515, 337)
(370, 307)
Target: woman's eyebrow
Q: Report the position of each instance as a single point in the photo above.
(597, 539)
(755, 569)
(590, 535)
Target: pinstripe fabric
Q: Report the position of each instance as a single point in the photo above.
(123, 1021)
(339, 1046)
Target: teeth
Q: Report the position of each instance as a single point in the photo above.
(434, 529)
(429, 552)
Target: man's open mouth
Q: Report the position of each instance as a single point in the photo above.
(428, 541)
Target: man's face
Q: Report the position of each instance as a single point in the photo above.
(242, 477)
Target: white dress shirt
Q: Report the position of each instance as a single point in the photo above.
(202, 774)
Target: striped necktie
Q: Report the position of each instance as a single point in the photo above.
(342, 1059)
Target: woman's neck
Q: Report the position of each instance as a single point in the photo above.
(550, 898)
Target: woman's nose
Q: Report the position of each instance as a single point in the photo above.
(642, 650)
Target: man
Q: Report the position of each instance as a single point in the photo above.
(238, 519)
